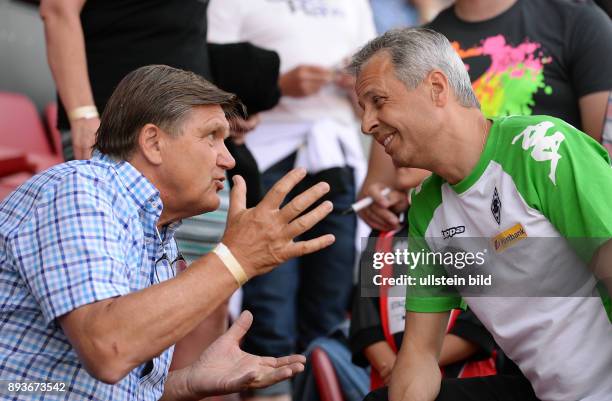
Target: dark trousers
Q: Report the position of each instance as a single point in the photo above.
(303, 298)
(490, 388)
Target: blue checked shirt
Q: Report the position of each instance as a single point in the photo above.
(77, 233)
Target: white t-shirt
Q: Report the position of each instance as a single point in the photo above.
(313, 32)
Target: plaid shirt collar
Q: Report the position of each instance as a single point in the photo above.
(84, 245)
(141, 191)
(137, 186)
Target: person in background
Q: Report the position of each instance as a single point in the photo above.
(92, 45)
(605, 5)
(607, 132)
(353, 380)
(390, 14)
(314, 126)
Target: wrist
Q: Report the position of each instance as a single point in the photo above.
(86, 112)
(282, 85)
(178, 386)
(231, 263)
(380, 355)
(384, 364)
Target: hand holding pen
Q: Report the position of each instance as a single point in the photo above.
(380, 207)
(365, 202)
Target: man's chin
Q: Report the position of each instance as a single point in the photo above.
(211, 204)
(398, 163)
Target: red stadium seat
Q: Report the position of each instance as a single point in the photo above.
(325, 376)
(20, 125)
(5, 190)
(25, 148)
(13, 161)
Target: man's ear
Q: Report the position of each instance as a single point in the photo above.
(440, 90)
(150, 143)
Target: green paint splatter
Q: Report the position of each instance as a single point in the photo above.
(509, 93)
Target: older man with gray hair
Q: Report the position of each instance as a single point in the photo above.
(91, 306)
(501, 180)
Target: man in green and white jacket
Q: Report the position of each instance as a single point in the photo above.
(534, 188)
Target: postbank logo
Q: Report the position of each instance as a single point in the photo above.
(507, 238)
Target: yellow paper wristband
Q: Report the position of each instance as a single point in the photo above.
(83, 112)
(231, 263)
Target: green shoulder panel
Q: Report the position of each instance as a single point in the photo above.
(425, 200)
(427, 299)
(563, 173)
(560, 171)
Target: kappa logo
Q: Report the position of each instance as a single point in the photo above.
(451, 232)
(545, 148)
(496, 207)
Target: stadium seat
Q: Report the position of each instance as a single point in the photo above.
(20, 125)
(13, 161)
(25, 148)
(325, 376)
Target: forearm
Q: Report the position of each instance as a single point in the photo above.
(135, 328)
(380, 355)
(416, 375)
(152, 320)
(66, 55)
(188, 349)
(455, 348)
(592, 113)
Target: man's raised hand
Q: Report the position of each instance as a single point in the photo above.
(262, 237)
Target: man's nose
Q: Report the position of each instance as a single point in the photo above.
(369, 122)
(225, 159)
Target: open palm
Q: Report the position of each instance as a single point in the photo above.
(224, 368)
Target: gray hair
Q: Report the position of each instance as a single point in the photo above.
(414, 53)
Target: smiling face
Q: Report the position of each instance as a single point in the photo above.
(402, 120)
(195, 161)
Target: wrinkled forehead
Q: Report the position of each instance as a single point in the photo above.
(374, 73)
(207, 118)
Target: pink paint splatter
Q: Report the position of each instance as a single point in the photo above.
(505, 57)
